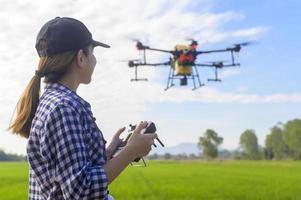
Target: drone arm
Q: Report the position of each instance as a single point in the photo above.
(217, 65)
(160, 50)
(232, 65)
(204, 65)
(156, 64)
(214, 51)
(133, 64)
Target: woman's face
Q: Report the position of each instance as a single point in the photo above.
(90, 65)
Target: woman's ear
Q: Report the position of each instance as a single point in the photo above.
(80, 58)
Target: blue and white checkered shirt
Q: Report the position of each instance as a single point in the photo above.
(66, 150)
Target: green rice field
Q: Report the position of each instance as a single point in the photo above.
(193, 180)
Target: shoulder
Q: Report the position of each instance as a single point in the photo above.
(56, 109)
(54, 101)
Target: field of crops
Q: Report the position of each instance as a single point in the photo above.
(194, 180)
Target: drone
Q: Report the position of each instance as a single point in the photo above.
(182, 63)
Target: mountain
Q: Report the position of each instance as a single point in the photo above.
(182, 148)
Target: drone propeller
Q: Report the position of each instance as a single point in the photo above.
(237, 47)
(218, 64)
(244, 43)
(217, 61)
(131, 63)
(141, 46)
(193, 42)
(133, 39)
(134, 62)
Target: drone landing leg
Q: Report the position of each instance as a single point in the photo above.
(136, 76)
(232, 55)
(170, 77)
(198, 78)
(216, 76)
(167, 86)
(197, 74)
(193, 81)
(144, 162)
(216, 79)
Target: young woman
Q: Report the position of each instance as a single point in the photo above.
(66, 150)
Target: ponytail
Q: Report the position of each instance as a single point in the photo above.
(26, 108)
(53, 68)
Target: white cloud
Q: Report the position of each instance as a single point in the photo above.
(229, 72)
(252, 33)
(211, 95)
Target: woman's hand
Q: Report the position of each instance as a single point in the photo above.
(141, 143)
(138, 145)
(116, 140)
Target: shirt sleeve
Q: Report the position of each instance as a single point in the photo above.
(77, 177)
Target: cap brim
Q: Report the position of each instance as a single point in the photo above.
(96, 43)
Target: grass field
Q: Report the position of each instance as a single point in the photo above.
(195, 180)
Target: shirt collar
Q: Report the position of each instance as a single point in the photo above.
(68, 91)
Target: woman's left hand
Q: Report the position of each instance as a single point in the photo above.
(116, 141)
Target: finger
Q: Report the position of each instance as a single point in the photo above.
(151, 136)
(149, 149)
(151, 142)
(120, 131)
(141, 126)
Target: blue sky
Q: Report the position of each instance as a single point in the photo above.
(264, 90)
(276, 56)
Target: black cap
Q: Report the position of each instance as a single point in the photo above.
(64, 34)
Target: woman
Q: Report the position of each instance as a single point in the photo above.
(66, 150)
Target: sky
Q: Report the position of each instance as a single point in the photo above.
(265, 90)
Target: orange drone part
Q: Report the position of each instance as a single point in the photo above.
(184, 62)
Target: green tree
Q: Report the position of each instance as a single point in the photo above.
(249, 145)
(11, 157)
(275, 144)
(209, 143)
(167, 156)
(292, 137)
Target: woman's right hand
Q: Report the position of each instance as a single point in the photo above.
(139, 143)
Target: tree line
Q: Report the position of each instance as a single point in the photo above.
(11, 157)
(282, 142)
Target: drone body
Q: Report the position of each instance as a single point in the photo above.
(182, 63)
(184, 60)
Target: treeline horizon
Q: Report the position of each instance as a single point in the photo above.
(11, 157)
(283, 141)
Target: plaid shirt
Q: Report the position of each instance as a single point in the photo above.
(66, 150)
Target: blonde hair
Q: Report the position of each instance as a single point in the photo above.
(53, 68)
